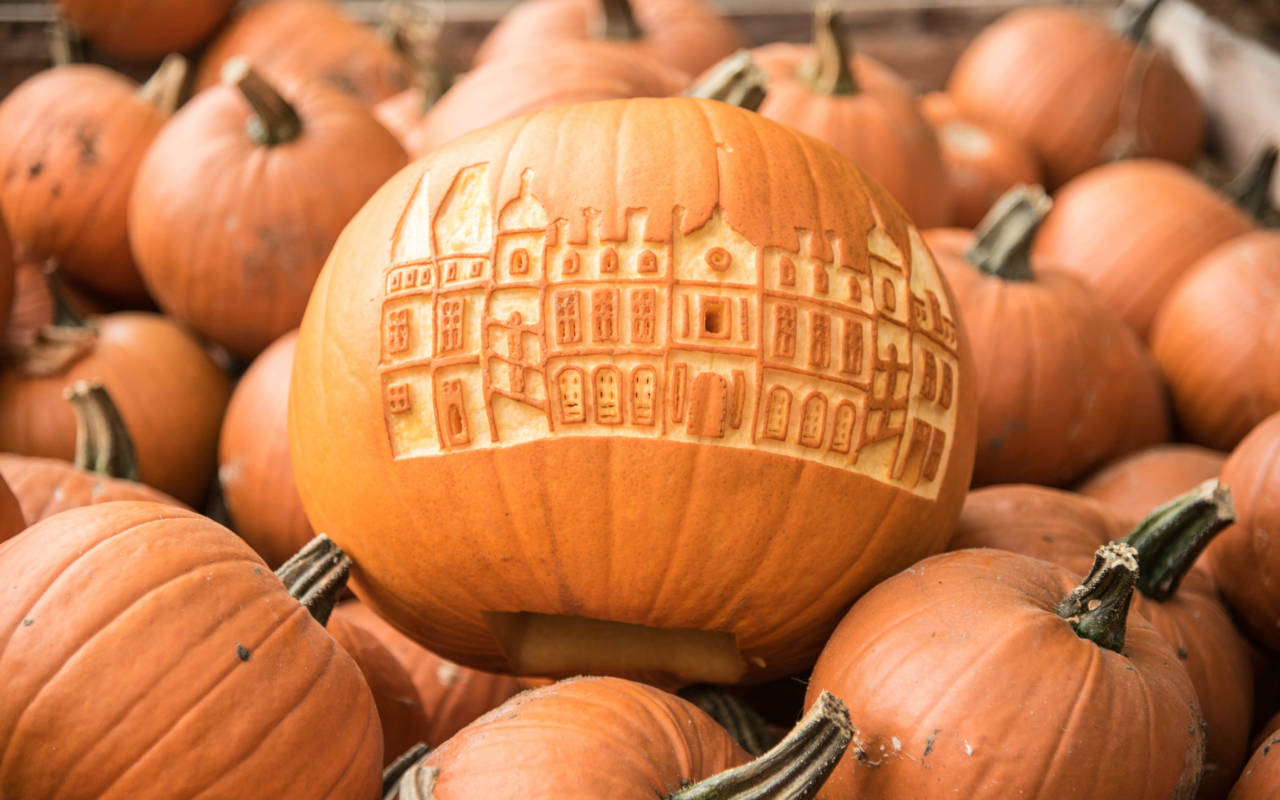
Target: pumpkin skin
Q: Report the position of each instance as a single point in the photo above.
(1140, 481)
(576, 72)
(1261, 775)
(71, 139)
(141, 30)
(171, 395)
(1065, 529)
(1048, 353)
(685, 34)
(584, 738)
(254, 469)
(309, 39)
(545, 514)
(1132, 228)
(1076, 92)
(451, 695)
(1214, 328)
(879, 127)
(203, 626)
(966, 683)
(982, 162)
(229, 234)
(1245, 558)
(12, 521)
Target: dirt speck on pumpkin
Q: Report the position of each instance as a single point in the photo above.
(928, 743)
(242, 652)
(28, 622)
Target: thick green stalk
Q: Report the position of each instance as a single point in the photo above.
(1170, 539)
(743, 722)
(103, 444)
(737, 80)
(1098, 607)
(395, 772)
(1002, 241)
(829, 72)
(273, 121)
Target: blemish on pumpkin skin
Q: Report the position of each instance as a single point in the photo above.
(928, 743)
(35, 169)
(87, 139)
(242, 652)
(1182, 653)
(28, 622)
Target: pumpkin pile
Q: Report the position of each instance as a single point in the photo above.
(636, 415)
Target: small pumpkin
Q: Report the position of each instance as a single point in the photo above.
(1078, 91)
(862, 109)
(1140, 481)
(240, 198)
(71, 139)
(688, 35)
(1245, 559)
(205, 674)
(1064, 385)
(141, 30)
(984, 673)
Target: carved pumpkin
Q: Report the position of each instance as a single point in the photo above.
(1065, 529)
(1077, 91)
(1246, 559)
(1214, 329)
(71, 139)
(231, 225)
(688, 35)
(141, 30)
(184, 665)
(576, 72)
(451, 695)
(1131, 228)
(11, 519)
(1064, 384)
(301, 40)
(1139, 482)
(966, 677)
(864, 110)
(590, 347)
(982, 161)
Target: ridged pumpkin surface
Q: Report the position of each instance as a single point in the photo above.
(567, 362)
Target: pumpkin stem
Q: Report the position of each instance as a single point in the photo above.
(273, 121)
(1002, 242)
(414, 30)
(619, 21)
(828, 72)
(67, 338)
(794, 769)
(1135, 29)
(396, 770)
(417, 783)
(66, 46)
(316, 575)
(737, 80)
(743, 722)
(1097, 608)
(1251, 190)
(103, 443)
(1171, 537)
(165, 84)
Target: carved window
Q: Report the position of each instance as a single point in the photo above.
(842, 432)
(604, 315)
(643, 383)
(519, 261)
(716, 318)
(855, 289)
(568, 318)
(708, 405)
(813, 422)
(719, 259)
(572, 408)
(820, 283)
(398, 331)
(608, 405)
(934, 459)
(452, 415)
(410, 278)
(786, 272)
(944, 394)
(890, 293)
(784, 331)
(450, 325)
(777, 414)
(819, 341)
(929, 381)
(609, 260)
(647, 262)
(679, 374)
(477, 267)
(570, 263)
(643, 302)
(451, 271)
(398, 398)
(396, 281)
(851, 348)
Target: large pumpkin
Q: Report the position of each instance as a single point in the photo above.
(559, 367)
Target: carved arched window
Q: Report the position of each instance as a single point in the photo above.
(647, 262)
(643, 391)
(609, 260)
(570, 263)
(890, 294)
(519, 261)
(842, 431)
(572, 407)
(813, 423)
(777, 414)
(608, 399)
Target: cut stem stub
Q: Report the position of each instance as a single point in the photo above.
(1002, 241)
(103, 443)
(316, 576)
(1098, 607)
(274, 121)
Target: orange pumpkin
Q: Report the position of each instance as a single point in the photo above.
(1132, 228)
(1077, 91)
(241, 197)
(1214, 329)
(864, 110)
(147, 652)
(1261, 775)
(592, 349)
(1064, 385)
(141, 30)
(1143, 480)
(71, 139)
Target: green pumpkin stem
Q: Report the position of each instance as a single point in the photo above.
(164, 86)
(274, 121)
(743, 722)
(1135, 30)
(1251, 190)
(316, 576)
(829, 71)
(1098, 607)
(1171, 537)
(396, 770)
(619, 21)
(103, 443)
(737, 80)
(1002, 241)
(794, 769)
